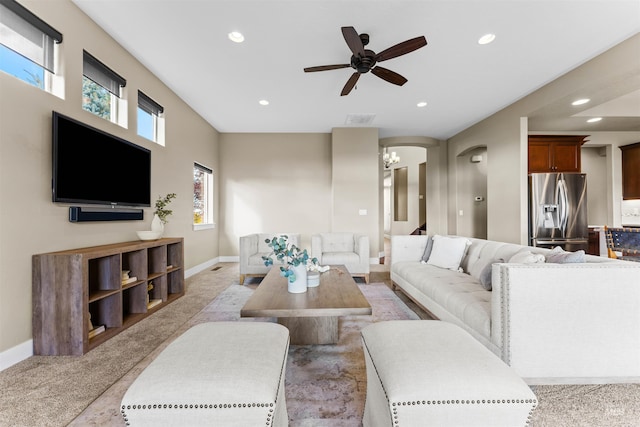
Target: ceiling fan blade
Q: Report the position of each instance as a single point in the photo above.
(401, 48)
(353, 41)
(350, 84)
(326, 67)
(388, 75)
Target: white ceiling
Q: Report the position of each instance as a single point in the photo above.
(185, 44)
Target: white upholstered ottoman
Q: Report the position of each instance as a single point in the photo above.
(433, 373)
(215, 374)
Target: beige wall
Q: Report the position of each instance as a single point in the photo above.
(274, 183)
(29, 222)
(472, 183)
(355, 177)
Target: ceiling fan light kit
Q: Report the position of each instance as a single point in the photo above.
(365, 60)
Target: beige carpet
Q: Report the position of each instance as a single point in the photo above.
(326, 385)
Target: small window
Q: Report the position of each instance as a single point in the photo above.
(101, 90)
(202, 197)
(150, 121)
(27, 45)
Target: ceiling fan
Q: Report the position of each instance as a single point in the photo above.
(364, 60)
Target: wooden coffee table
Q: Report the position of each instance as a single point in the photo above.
(312, 316)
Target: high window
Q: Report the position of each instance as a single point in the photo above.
(150, 121)
(202, 197)
(27, 45)
(102, 90)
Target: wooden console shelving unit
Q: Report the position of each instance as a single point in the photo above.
(75, 287)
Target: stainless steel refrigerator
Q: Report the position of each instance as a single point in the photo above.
(558, 210)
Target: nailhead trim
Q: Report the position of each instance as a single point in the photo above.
(396, 405)
(269, 418)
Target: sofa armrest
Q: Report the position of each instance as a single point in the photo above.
(248, 247)
(568, 320)
(316, 247)
(408, 248)
(361, 247)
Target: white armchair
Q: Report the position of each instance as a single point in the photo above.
(253, 247)
(348, 249)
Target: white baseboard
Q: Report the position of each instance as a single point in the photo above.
(201, 267)
(229, 258)
(16, 354)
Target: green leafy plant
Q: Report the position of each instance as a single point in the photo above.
(288, 254)
(161, 207)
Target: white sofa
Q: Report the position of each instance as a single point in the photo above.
(253, 247)
(552, 323)
(348, 249)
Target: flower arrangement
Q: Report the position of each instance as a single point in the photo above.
(289, 255)
(161, 207)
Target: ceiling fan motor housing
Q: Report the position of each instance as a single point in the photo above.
(364, 64)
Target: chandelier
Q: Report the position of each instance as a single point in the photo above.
(389, 159)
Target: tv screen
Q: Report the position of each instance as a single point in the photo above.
(93, 167)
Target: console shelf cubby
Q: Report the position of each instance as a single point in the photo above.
(80, 299)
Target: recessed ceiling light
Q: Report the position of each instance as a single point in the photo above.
(422, 104)
(263, 102)
(235, 36)
(580, 101)
(487, 38)
(595, 119)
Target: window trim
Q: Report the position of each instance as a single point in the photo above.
(212, 224)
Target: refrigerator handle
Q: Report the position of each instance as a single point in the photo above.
(563, 201)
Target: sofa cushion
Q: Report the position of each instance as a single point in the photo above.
(482, 252)
(337, 242)
(340, 258)
(447, 252)
(560, 256)
(458, 293)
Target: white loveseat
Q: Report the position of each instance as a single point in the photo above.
(552, 323)
(253, 247)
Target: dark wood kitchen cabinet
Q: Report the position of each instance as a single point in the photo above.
(631, 171)
(555, 153)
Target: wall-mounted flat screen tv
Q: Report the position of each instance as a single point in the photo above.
(93, 167)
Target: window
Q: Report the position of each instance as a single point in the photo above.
(150, 122)
(101, 89)
(202, 197)
(27, 45)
